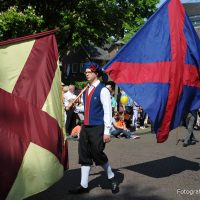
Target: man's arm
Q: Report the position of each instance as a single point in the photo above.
(106, 102)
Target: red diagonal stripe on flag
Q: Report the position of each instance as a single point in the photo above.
(22, 121)
(20, 124)
(36, 77)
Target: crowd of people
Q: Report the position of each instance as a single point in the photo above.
(126, 119)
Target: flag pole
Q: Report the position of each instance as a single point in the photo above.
(28, 37)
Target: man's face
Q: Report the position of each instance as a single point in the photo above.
(90, 76)
(72, 89)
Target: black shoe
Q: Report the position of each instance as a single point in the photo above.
(192, 142)
(185, 144)
(78, 190)
(189, 143)
(114, 185)
(195, 140)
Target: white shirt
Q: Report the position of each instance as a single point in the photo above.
(105, 99)
(68, 98)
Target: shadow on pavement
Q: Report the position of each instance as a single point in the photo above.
(164, 167)
(59, 191)
(102, 181)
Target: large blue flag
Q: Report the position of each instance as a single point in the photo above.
(160, 67)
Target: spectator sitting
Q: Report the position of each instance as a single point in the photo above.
(119, 128)
(75, 133)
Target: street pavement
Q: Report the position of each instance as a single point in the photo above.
(145, 170)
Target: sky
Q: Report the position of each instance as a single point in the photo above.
(182, 1)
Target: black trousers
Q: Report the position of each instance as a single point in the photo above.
(71, 121)
(91, 146)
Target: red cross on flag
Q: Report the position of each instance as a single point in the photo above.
(33, 154)
(159, 68)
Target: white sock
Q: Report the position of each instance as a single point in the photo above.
(108, 170)
(85, 171)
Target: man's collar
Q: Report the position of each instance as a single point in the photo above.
(95, 83)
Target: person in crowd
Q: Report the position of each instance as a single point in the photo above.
(190, 122)
(119, 128)
(128, 112)
(113, 99)
(79, 107)
(119, 105)
(143, 116)
(197, 126)
(76, 130)
(136, 108)
(69, 97)
(65, 89)
(95, 132)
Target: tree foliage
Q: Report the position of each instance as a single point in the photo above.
(15, 24)
(79, 21)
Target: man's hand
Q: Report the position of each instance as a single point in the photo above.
(106, 138)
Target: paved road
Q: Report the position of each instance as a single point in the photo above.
(145, 170)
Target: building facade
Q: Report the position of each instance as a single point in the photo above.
(193, 11)
(72, 63)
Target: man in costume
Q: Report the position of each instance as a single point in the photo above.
(95, 132)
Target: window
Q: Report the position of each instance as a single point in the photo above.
(75, 68)
(81, 68)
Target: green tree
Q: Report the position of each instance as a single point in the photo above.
(79, 21)
(14, 23)
(139, 12)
